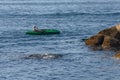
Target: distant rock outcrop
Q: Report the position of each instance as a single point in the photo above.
(43, 56)
(107, 39)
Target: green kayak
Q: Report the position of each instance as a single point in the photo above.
(43, 32)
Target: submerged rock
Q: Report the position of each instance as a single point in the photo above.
(43, 56)
(107, 39)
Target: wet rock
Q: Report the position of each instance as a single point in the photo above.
(107, 39)
(43, 56)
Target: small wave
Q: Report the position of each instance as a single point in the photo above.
(39, 3)
(57, 14)
(78, 13)
(55, 2)
(112, 13)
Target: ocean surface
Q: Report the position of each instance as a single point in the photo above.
(76, 19)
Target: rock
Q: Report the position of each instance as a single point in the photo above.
(117, 55)
(111, 43)
(112, 32)
(106, 42)
(109, 32)
(43, 56)
(95, 40)
(107, 39)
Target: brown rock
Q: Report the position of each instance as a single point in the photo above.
(117, 55)
(106, 42)
(109, 31)
(112, 32)
(95, 40)
(106, 39)
(111, 43)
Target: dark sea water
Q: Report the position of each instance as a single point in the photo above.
(76, 19)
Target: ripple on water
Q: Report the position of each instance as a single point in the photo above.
(76, 21)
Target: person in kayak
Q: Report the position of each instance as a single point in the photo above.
(35, 28)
